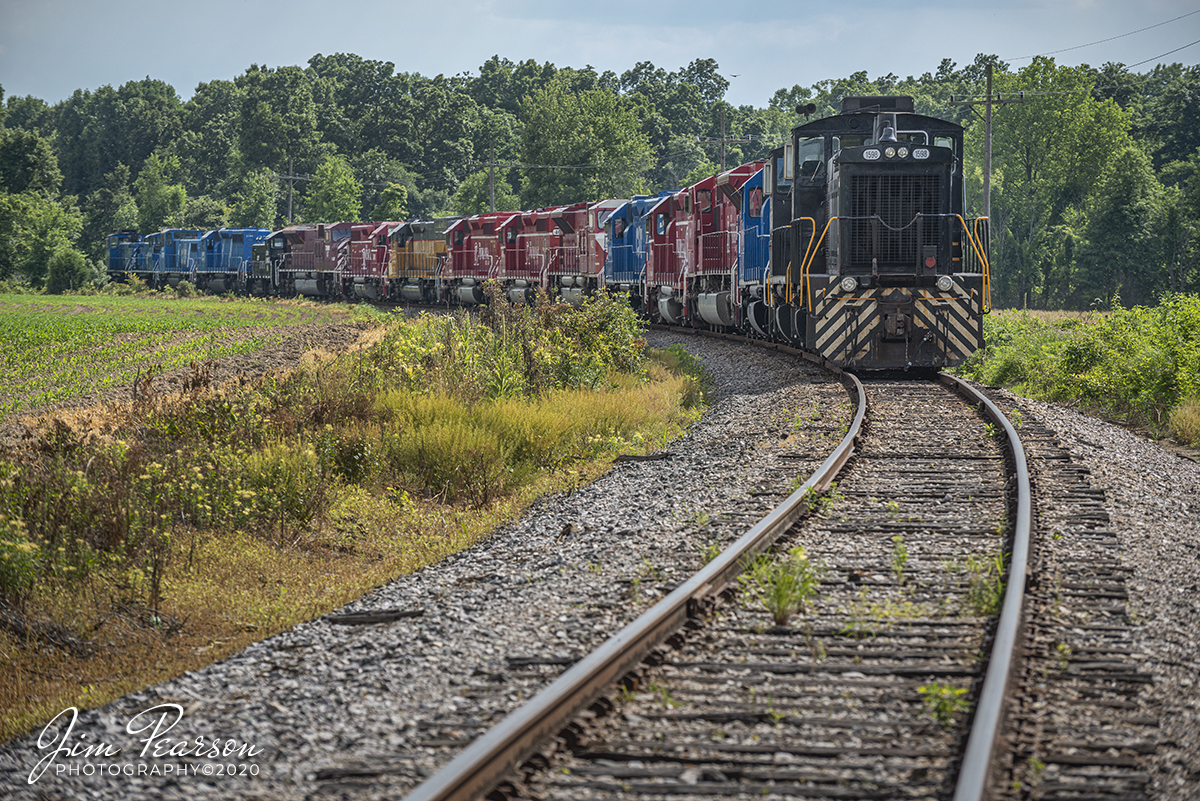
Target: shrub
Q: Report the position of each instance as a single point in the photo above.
(18, 558)
(67, 270)
(1132, 364)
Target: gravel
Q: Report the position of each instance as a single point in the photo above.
(364, 711)
(337, 711)
(1153, 500)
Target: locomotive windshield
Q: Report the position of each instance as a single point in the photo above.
(810, 155)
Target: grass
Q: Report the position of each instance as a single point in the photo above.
(943, 701)
(985, 584)
(781, 586)
(63, 347)
(1139, 366)
(172, 530)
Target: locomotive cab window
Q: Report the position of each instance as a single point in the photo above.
(855, 140)
(809, 156)
(756, 202)
(660, 223)
(943, 141)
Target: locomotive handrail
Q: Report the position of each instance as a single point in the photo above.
(473, 772)
(983, 259)
(804, 260)
(987, 273)
(805, 276)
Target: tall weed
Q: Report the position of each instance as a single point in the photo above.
(1138, 365)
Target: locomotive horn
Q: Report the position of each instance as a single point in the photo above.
(806, 108)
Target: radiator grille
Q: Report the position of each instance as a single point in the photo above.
(896, 200)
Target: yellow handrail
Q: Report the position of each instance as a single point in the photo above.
(809, 256)
(983, 259)
(791, 294)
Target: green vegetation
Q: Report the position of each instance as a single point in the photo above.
(985, 584)
(58, 350)
(1140, 366)
(899, 557)
(213, 515)
(943, 701)
(781, 586)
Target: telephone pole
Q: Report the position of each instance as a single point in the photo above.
(987, 103)
(724, 139)
(291, 179)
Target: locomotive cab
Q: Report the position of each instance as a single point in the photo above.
(877, 268)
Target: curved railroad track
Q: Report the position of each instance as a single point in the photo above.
(868, 694)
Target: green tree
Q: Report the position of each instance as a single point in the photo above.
(1123, 256)
(334, 194)
(27, 163)
(207, 147)
(503, 85)
(474, 194)
(593, 134)
(1048, 153)
(125, 125)
(278, 119)
(392, 204)
(110, 208)
(379, 175)
(28, 112)
(160, 203)
(66, 271)
(205, 213)
(254, 205)
(31, 228)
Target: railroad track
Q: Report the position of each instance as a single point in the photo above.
(868, 694)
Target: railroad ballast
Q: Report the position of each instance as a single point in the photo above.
(849, 241)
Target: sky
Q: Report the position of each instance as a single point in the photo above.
(50, 48)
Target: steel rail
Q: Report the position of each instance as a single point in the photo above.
(483, 763)
(989, 709)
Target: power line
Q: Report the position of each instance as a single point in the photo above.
(1112, 38)
(1169, 52)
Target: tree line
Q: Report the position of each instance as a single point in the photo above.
(1095, 188)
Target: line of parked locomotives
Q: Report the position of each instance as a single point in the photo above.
(849, 241)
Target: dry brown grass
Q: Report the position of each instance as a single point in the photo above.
(1185, 421)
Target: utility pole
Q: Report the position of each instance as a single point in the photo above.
(723, 140)
(987, 103)
(492, 178)
(291, 179)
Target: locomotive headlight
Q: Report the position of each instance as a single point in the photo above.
(890, 152)
(902, 152)
(944, 283)
(849, 283)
